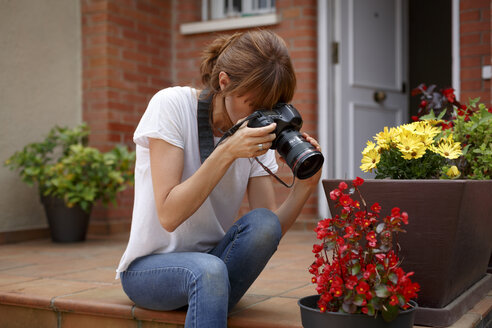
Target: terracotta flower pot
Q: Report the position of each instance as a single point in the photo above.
(312, 317)
(448, 241)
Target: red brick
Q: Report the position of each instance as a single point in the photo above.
(472, 38)
(475, 50)
(121, 21)
(471, 61)
(474, 27)
(471, 74)
(91, 7)
(473, 15)
(474, 4)
(471, 85)
(135, 56)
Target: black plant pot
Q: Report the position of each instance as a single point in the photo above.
(312, 317)
(67, 224)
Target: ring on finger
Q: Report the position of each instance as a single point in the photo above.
(260, 147)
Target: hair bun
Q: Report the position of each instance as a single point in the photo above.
(212, 53)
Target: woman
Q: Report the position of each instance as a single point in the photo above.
(184, 247)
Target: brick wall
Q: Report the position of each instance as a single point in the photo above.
(133, 48)
(126, 52)
(475, 48)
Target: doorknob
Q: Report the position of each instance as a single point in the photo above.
(379, 96)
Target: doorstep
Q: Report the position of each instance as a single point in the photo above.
(43, 284)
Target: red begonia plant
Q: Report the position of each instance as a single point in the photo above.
(356, 267)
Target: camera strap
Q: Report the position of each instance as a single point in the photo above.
(205, 135)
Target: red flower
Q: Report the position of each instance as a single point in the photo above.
(415, 118)
(357, 181)
(370, 269)
(350, 273)
(371, 237)
(423, 103)
(410, 291)
(345, 200)
(445, 126)
(376, 208)
(449, 94)
(351, 282)
(394, 300)
(342, 186)
(404, 217)
(317, 248)
(349, 232)
(334, 194)
(362, 287)
(336, 291)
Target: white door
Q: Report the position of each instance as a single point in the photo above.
(372, 57)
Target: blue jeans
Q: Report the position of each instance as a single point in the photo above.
(209, 283)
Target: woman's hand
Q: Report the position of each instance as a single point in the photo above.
(249, 142)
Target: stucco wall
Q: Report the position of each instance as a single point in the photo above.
(40, 86)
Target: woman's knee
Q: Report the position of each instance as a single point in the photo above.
(264, 224)
(212, 276)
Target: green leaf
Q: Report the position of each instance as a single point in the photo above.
(358, 300)
(355, 269)
(382, 291)
(393, 278)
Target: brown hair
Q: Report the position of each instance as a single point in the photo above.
(255, 61)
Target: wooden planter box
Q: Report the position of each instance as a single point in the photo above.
(448, 241)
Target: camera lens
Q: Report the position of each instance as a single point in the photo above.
(300, 155)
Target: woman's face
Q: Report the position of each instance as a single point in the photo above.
(237, 107)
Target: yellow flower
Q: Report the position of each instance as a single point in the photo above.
(416, 152)
(370, 160)
(370, 146)
(385, 137)
(410, 145)
(426, 132)
(447, 148)
(453, 172)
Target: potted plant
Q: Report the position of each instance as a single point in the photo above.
(71, 177)
(436, 168)
(357, 271)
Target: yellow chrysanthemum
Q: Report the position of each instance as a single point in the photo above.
(453, 172)
(370, 146)
(446, 147)
(410, 145)
(385, 137)
(370, 160)
(415, 153)
(426, 132)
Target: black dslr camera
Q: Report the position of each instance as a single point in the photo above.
(300, 155)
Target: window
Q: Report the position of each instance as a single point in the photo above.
(220, 15)
(218, 9)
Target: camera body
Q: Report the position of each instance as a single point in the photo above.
(300, 155)
(285, 115)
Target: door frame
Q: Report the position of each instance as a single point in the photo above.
(329, 86)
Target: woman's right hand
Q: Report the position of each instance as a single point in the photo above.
(249, 142)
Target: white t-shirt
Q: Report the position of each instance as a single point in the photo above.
(172, 116)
